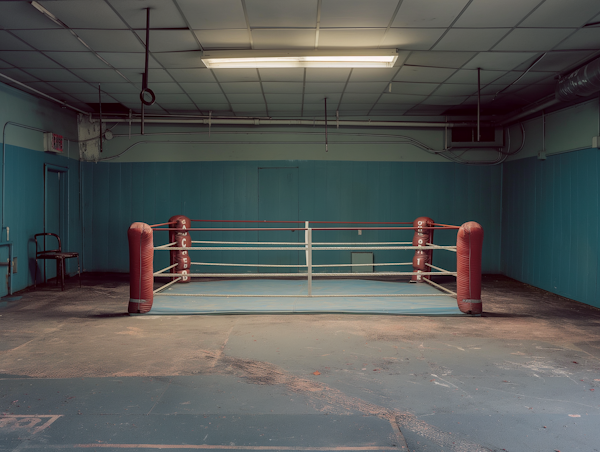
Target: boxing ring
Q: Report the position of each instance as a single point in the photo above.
(303, 287)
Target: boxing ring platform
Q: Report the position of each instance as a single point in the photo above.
(270, 296)
(302, 287)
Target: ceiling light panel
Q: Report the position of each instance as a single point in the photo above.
(308, 59)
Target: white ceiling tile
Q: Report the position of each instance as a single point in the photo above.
(533, 39)
(327, 75)
(444, 100)
(350, 37)
(215, 107)
(179, 59)
(154, 75)
(412, 38)
(86, 14)
(332, 98)
(21, 15)
(561, 13)
(423, 74)
(587, 38)
(291, 109)
(283, 98)
(439, 59)
(27, 59)
(213, 14)
(242, 88)
(175, 108)
(10, 42)
(383, 108)
(456, 89)
(429, 14)
(124, 88)
(169, 40)
(98, 75)
(4, 64)
(111, 40)
(282, 87)
(530, 78)
(357, 13)
(401, 99)
(54, 75)
(43, 87)
(164, 88)
(92, 98)
(201, 88)
(283, 39)
(558, 61)
(246, 98)
(172, 98)
(470, 76)
(128, 60)
(282, 75)
(498, 60)
(493, 13)
(76, 88)
(412, 88)
(355, 98)
(324, 87)
(249, 109)
(236, 75)
(224, 39)
(366, 87)
(357, 109)
(373, 75)
(18, 75)
(216, 98)
(471, 39)
(162, 14)
(198, 75)
(282, 13)
(77, 60)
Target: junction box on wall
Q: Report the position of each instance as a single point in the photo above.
(53, 143)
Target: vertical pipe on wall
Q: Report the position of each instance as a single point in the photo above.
(325, 124)
(478, 104)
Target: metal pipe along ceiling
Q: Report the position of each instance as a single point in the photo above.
(582, 82)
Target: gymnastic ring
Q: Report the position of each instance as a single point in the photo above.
(149, 91)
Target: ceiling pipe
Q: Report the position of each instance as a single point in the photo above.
(293, 122)
(582, 82)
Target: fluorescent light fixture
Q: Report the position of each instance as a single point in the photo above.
(367, 58)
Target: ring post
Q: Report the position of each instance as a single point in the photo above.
(469, 243)
(182, 240)
(308, 240)
(141, 268)
(421, 258)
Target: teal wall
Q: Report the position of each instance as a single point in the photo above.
(24, 183)
(551, 223)
(117, 194)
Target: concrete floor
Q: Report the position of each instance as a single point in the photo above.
(78, 373)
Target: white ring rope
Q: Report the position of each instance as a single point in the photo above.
(304, 296)
(246, 243)
(287, 275)
(167, 285)
(165, 269)
(439, 287)
(303, 248)
(289, 266)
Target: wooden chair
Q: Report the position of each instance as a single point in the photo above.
(57, 254)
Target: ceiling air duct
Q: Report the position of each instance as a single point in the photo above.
(582, 82)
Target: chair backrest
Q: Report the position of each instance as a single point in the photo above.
(44, 250)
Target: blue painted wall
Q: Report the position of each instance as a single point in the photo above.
(551, 223)
(117, 194)
(24, 210)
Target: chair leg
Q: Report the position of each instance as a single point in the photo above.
(57, 271)
(62, 274)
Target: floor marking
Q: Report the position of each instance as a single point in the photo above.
(13, 422)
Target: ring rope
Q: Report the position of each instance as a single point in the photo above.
(287, 266)
(165, 269)
(246, 243)
(437, 268)
(303, 296)
(286, 275)
(167, 285)
(439, 287)
(303, 248)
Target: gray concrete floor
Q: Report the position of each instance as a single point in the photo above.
(78, 373)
